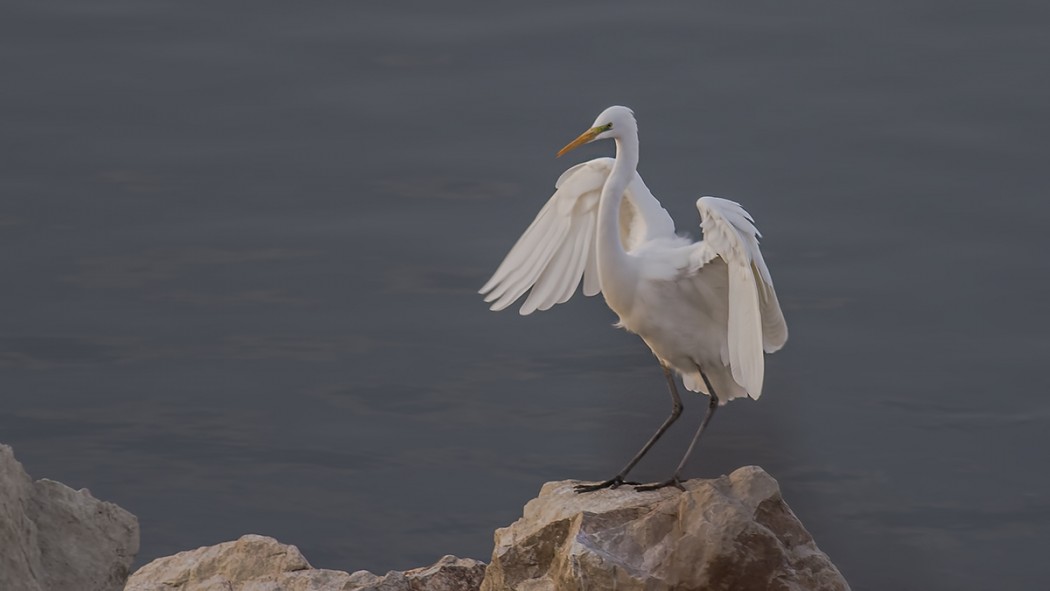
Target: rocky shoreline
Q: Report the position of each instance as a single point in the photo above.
(733, 533)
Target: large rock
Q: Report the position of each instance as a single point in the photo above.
(258, 563)
(733, 533)
(54, 538)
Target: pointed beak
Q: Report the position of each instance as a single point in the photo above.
(587, 136)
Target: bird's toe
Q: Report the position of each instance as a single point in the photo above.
(613, 482)
(674, 481)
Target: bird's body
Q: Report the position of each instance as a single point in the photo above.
(674, 339)
(707, 310)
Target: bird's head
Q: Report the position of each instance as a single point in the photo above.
(612, 123)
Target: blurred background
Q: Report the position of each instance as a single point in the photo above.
(241, 245)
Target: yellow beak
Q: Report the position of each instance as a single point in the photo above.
(585, 137)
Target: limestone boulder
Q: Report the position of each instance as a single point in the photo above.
(259, 563)
(54, 538)
(731, 533)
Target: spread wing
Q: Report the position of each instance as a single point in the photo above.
(558, 249)
(756, 323)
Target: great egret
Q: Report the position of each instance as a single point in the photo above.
(707, 310)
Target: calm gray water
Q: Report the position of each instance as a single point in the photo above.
(241, 243)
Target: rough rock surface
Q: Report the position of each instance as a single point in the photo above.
(259, 563)
(54, 538)
(732, 533)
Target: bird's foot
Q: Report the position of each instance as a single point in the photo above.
(674, 481)
(613, 482)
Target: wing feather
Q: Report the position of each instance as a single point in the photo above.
(579, 261)
(557, 250)
(521, 258)
(531, 268)
(591, 284)
(745, 330)
(756, 322)
(519, 253)
(555, 275)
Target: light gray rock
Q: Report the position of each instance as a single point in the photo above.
(54, 538)
(259, 563)
(448, 574)
(251, 563)
(732, 533)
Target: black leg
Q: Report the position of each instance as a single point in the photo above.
(676, 411)
(676, 479)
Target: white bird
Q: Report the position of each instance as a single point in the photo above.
(707, 309)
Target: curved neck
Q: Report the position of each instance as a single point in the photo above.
(626, 158)
(615, 266)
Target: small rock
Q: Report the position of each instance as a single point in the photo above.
(448, 574)
(251, 563)
(732, 533)
(259, 563)
(54, 538)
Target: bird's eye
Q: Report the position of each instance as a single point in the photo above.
(607, 127)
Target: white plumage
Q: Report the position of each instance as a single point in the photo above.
(706, 309)
(557, 249)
